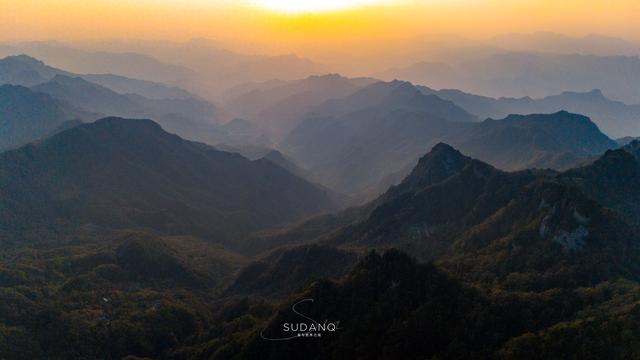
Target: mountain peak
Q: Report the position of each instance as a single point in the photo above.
(443, 153)
(403, 86)
(25, 70)
(444, 148)
(562, 113)
(25, 59)
(116, 130)
(573, 116)
(440, 163)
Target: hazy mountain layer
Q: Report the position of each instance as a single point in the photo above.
(365, 142)
(129, 64)
(118, 173)
(613, 117)
(280, 106)
(26, 116)
(148, 89)
(352, 143)
(87, 95)
(535, 74)
(593, 44)
(559, 141)
(27, 71)
(191, 118)
(199, 66)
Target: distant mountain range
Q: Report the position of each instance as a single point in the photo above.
(148, 89)
(592, 44)
(177, 110)
(370, 140)
(199, 66)
(179, 115)
(81, 91)
(391, 96)
(279, 105)
(351, 143)
(28, 71)
(520, 74)
(613, 117)
(220, 69)
(27, 116)
(129, 64)
(559, 141)
(118, 173)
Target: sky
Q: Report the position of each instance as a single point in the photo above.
(333, 25)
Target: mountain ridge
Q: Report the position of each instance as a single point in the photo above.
(117, 173)
(27, 116)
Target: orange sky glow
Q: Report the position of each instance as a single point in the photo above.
(279, 24)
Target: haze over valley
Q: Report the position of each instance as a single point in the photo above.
(322, 180)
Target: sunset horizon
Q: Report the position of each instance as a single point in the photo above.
(273, 20)
(319, 179)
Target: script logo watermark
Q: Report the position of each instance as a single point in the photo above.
(308, 328)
